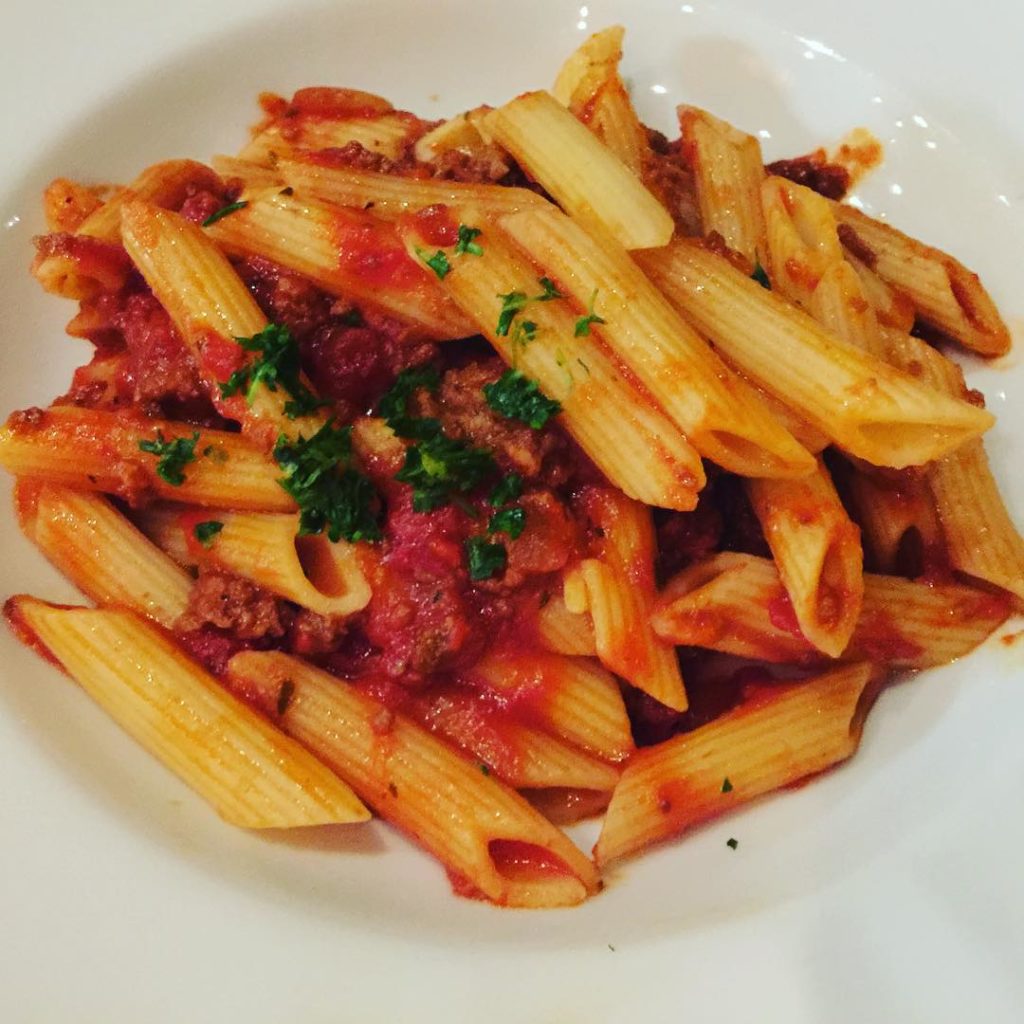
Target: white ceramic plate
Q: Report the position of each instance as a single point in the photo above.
(889, 891)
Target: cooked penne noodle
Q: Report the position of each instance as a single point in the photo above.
(521, 756)
(621, 594)
(461, 133)
(945, 293)
(347, 252)
(101, 552)
(252, 176)
(568, 806)
(562, 631)
(892, 307)
(779, 735)
(484, 833)
(818, 553)
(390, 195)
(729, 169)
(325, 577)
(586, 178)
(639, 450)
(981, 537)
(389, 134)
(253, 776)
(99, 451)
(211, 307)
(736, 604)
(719, 416)
(574, 698)
(884, 417)
(165, 184)
(590, 85)
(900, 530)
(806, 264)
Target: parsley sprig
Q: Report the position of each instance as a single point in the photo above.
(518, 397)
(224, 211)
(437, 261)
(276, 364)
(173, 456)
(760, 275)
(465, 245)
(394, 404)
(440, 469)
(582, 329)
(484, 558)
(514, 302)
(332, 495)
(207, 531)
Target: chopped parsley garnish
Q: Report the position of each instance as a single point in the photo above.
(394, 404)
(205, 532)
(332, 495)
(173, 456)
(511, 303)
(465, 244)
(726, 785)
(516, 396)
(550, 290)
(438, 262)
(284, 696)
(224, 211)
(761, 277)
(523, 333)
(508, 520)
(582, 329)
(351, 318)
(732, 843)
(439, 468)
(485, 769)
(485, 559)
(276, 364)
(509, 489)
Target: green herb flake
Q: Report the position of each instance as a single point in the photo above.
(206, 531)
(224, 211)
(510, 488)
(516, 396)
(726, 785)
(284, 696)
(485, 769)
(523, 333)
(332, 495)
(438, 262)
(276, 364)
(509, 520)
(173, 456)
(465, 245)
(761, 277)
(550, 290)
(511, 304)
(583, 324)
(485, 559)
(439, 468)
(394, 404)
(732, 843)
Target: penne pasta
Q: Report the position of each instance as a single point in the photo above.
(574, 698)
(620, 594)
(736, 604)
(945, 293)
(562, 631)
(818, 553)
(101, 552)
(490, 840)
(252, 775)
(729, 169)
(719, 416)
(885, 417)
(590, 85)
(390, 195)
(779, 735)
(101, 451)
(640, 450)
(324, 576)
(585, 177)
(347, 252)
(212, 310)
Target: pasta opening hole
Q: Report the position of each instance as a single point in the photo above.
(523, 862)
(742, 455)
(319, 566)
(907, 444)
(908, 558)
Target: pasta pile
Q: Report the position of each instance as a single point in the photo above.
(344, 560)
